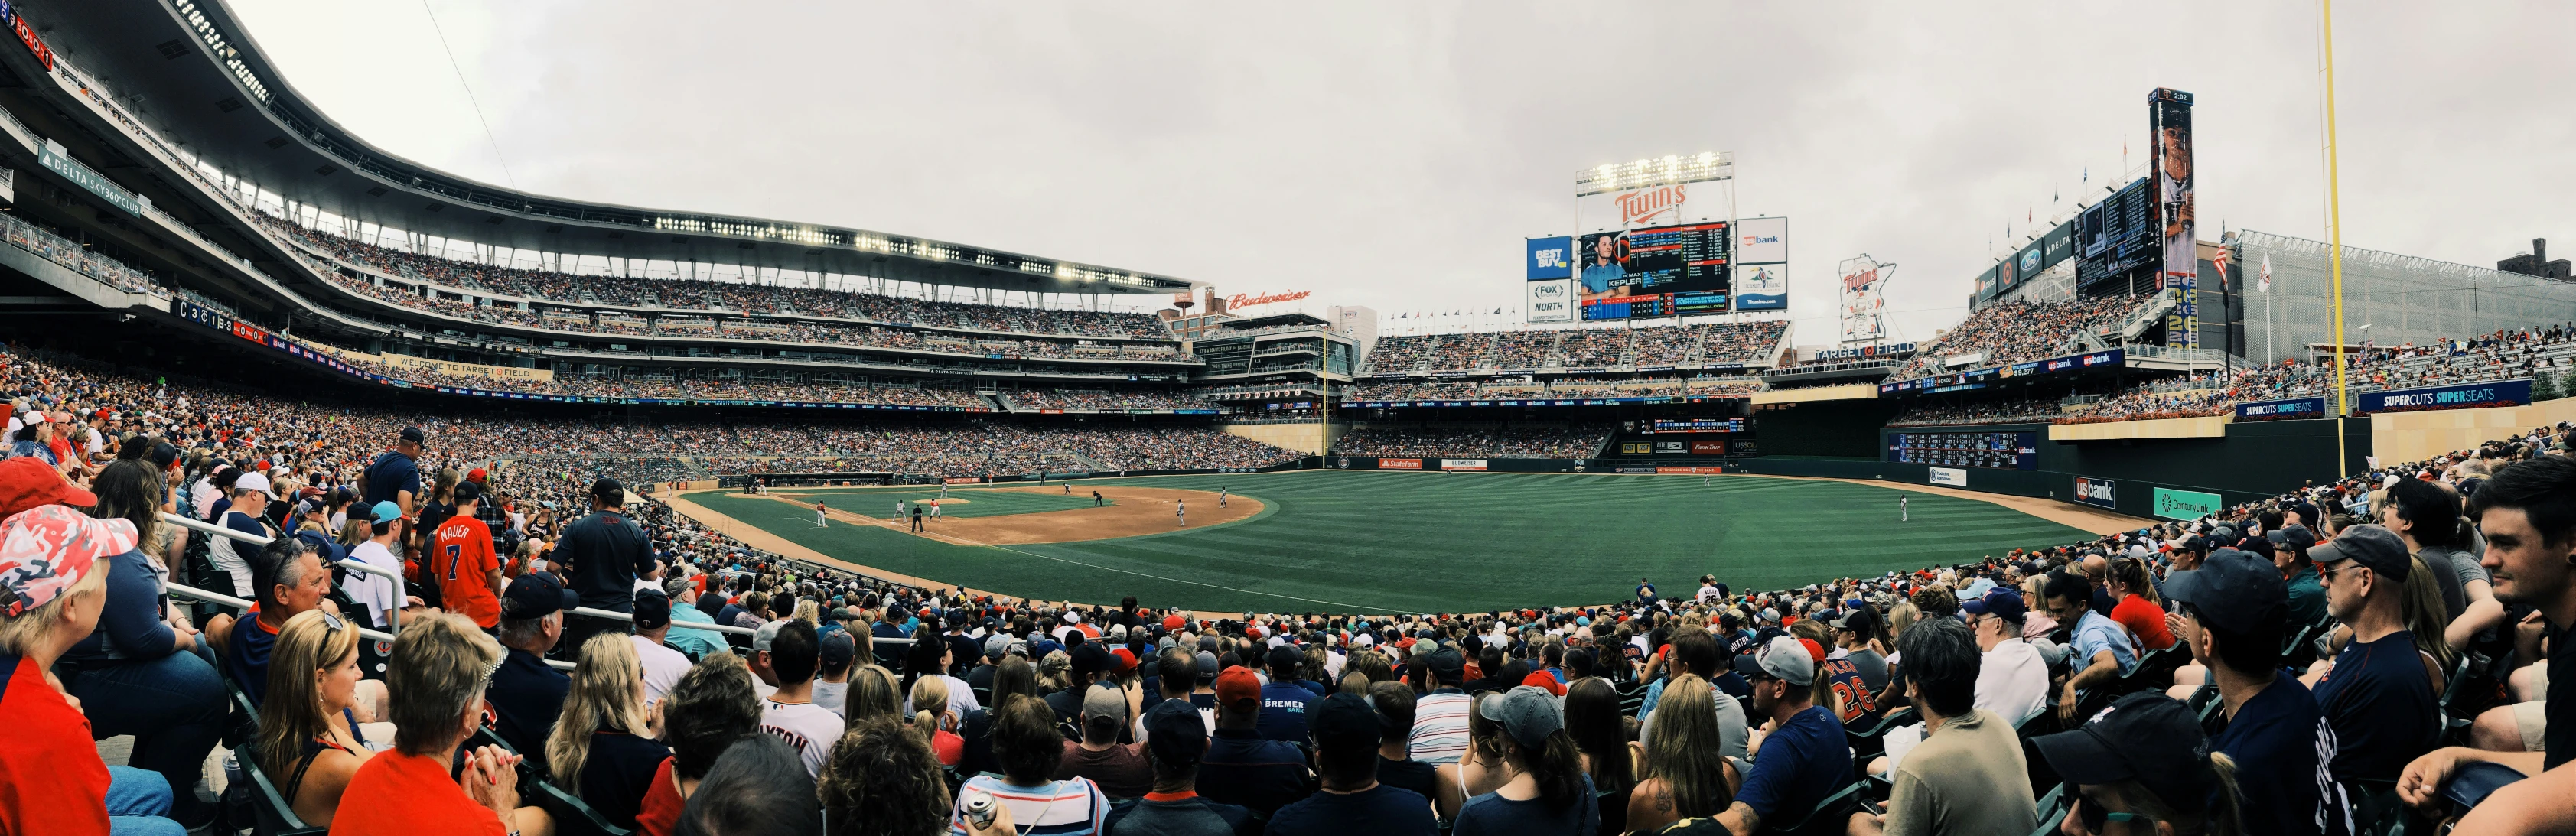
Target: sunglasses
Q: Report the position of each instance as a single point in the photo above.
(2095, 817)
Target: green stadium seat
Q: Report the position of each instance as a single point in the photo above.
(269, 813)
(1830, 816)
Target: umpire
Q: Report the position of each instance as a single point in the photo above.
(599, 556)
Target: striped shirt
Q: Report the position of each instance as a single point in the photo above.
(1071, 807)
(1440, 726)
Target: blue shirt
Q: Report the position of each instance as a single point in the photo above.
(1283, 712)
(391, 473)
(246, 655)
(1242, 769)
(1379, 809)
(1806, 760)
(693, 642)
(1492, 814)
(528, 698)
(2381, 706)
(2275, 738)
(2095, 633)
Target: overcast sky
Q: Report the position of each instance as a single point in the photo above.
(1395, 154)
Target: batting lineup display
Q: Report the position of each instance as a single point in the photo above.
(2006, 450)
(1699, 425)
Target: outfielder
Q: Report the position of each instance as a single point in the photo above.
(1180, 512)
(818, 514)
(1220, 497)
(1902, 514)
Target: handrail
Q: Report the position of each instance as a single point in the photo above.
(352, 565)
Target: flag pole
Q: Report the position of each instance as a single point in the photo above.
(2334, 215)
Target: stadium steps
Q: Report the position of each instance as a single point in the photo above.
(2146, 316)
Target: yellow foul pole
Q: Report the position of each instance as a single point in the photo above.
(2334, 218)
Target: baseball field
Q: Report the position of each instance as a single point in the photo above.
(1368, 542)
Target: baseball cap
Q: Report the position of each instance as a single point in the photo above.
(1446, 666)
(1175, 733)
(2375, 548)
(652, 609)
(27, 482)
(1089, 659)
(1105, 701)
(1284, 656)
(413, 435)
(2233, 590)
(464, 491)
(537, 595)
(477, 475)
(1528, 713)
(1856, 620)
(1344, 722)
(1784, 658)
(385, 512)
(1544, 681)
(838, 649)
(2001, 603)
(2296, 536)
(47, 550)
(1207, 667)
(997, 646)
(1174, 622)
(763, 638)
(253, 481)
(2146, 737)
(1238, 684)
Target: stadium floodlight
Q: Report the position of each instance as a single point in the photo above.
(1665, 170)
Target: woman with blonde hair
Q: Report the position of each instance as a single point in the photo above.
(1055, 672)
(602, 748)
(1684, 775)
(934, 721)
(308, 741)
(872, 694)
(809, 612)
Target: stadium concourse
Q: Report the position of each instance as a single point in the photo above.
(2356, 618)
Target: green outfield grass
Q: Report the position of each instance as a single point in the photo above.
(1363, 541)
(879, 502)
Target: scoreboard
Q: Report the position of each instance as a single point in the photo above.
(1699, 425)
(2112, 237)
(2004, 450)
(1678, 269)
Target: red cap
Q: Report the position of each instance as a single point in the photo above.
(475, 475)
(27, 482)
(1126, 659)
(1238, 684)
(1814, 650)
(1173, 622)
(1541, 679)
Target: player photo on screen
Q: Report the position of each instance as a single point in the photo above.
(1605, 265)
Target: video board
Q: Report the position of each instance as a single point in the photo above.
(2003, 450)
(1661, 271)
(2112, 237)
(1699, 425)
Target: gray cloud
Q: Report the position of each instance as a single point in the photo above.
(1393, 154)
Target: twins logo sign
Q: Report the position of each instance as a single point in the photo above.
(2095, 492)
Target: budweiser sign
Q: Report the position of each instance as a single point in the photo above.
(1637, 206)
(1242, 300)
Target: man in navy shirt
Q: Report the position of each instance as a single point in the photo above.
(1352, 801)
(527, 696)
(1240, 767)
(2235, 610)
(2375, 693)
(393, 477)
(2527, 512)
(1283, 701)
(1802, 761)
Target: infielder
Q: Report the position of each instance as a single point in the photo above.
(1902, 514)
(934, 510)
(943, 491)
(818, 514)
(898, 510)
(1220, 497)
(1180, 511)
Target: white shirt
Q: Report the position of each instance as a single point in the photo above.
(377, 593)
(808, 728)
(961, 696)
(2012, 681)
(662, 668)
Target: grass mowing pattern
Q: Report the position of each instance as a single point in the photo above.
(1363, 541)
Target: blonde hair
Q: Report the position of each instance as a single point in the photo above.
(439, 667)
(1683, 753)
(33, 627)
(809, 612)
(291, 715)
(873, 694)
(928, 691)
(602, 698)
(2423, 611)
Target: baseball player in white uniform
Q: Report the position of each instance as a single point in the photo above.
(1220, 497)
(898, 509)
(1902, 513)
(1180, 512)
(818, 514)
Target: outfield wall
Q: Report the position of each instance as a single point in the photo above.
(2249, 461)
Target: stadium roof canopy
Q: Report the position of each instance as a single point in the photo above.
(190, 69)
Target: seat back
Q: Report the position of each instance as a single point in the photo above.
(1829, 817)
(269, 813)
(571, 816)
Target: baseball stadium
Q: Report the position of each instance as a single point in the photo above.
(352, 487)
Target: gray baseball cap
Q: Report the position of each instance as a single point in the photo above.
(1528, 713)
(1784, 659)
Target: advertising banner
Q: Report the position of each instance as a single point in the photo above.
(1550, 258)
(1399, 464)
(2171, 170)
(1762, 241)
(1861, 306)
(1950, 476)
(1460, 464)
(51, 156)
(2456, 396)
(1672, 448)
(1670, 203)
(2095, 492)
(1684, 468)
(2185, 505)
(2025, 263)
(1762, 287)
(2058, 245)
(2287, 408)
(962, 480)
(1550, 301)
(1708, 448)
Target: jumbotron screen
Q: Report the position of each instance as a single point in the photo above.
(2004, 450)
(1667, 271)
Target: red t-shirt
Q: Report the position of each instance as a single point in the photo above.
(395, 794)
(51, 780)
(660, 813)
(459, 558)
(2144, 619)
